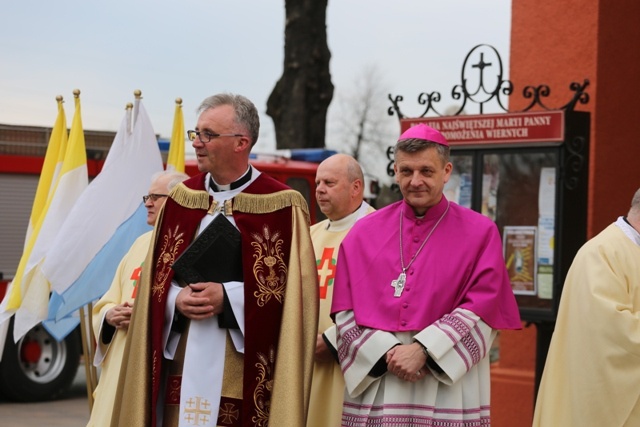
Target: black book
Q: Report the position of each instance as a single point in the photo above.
(214, 256)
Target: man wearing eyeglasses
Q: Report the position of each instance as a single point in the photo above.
(225, 352)
(112, 313)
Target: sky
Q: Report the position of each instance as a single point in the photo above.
(195, 48)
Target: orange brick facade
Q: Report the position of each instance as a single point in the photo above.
(556, 43)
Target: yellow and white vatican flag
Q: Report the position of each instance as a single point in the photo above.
(175, 159)
(48, 179)
(50, 168)
(30, 299)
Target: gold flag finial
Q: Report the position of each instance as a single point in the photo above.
(129, 106)
(59, 98)
(76, 93)
(179, 101)
(137, 93)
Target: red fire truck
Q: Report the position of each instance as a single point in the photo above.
(38, 367)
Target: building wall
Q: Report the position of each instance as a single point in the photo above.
(559, 42)
(556, 43)
(33, 141)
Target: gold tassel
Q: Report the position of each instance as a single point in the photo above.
(228, 209)
(265, 203)
(189, 198)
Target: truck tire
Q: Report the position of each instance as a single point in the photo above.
(38, 367)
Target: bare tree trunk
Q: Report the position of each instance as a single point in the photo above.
(299, 101)
(362, 127)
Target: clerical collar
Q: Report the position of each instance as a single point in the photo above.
(348, 221)
(628, 229)
(235, 184)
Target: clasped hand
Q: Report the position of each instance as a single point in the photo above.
(120, 315)
(199, 301)
(407, 362)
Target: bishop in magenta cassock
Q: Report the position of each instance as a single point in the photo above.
(420, 294)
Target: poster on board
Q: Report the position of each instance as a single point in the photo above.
(519, 244)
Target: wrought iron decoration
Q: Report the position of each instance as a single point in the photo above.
(488, 87)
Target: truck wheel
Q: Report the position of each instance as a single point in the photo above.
(38, 367)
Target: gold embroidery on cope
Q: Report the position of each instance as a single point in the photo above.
(170, 245)
(269, 269)
(265, 382)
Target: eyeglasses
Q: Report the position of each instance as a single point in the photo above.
(153, 197)
(207, 136)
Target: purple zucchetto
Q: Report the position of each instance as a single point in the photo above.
(427, 133)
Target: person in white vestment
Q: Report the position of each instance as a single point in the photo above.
(112, 313)
(340, 195)
(420, 293)
(592, 371)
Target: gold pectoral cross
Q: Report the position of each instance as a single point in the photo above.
(398, 284)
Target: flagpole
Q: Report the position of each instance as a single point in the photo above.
(86, 321)
(92, 347)
(129, 117)
(138, 96)
(88, 355)
(87, 348)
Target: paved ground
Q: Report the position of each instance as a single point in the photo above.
(71, 410)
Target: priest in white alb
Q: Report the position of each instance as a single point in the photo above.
(592, 370)
(340, 196)
(112, 313)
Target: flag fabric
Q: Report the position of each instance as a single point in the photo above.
(111, 198)
(48, 179)
(104, 223)
(51, 166)
(175, 159)
(63, 308)
(30, 297)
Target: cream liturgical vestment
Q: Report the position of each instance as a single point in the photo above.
(592, 373)
(327, 386)
(110, 342)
